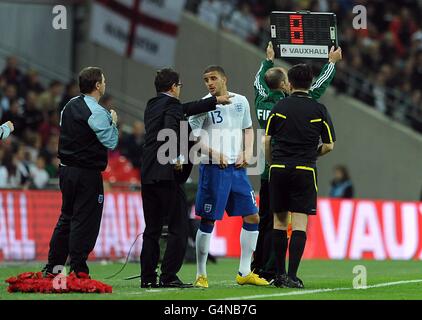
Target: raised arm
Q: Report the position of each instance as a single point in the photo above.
(198, 107)
(327, 74)
(205, 105)
(261, 88)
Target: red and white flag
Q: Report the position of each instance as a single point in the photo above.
(145, 30)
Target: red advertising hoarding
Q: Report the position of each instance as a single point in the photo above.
(342, 229)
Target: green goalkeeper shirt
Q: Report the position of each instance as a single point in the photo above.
(265, 98)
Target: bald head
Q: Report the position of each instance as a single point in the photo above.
(276, 78)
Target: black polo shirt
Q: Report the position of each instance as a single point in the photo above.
(295, 125)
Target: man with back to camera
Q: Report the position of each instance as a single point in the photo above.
(87, 132)
(271, 86)
(162, 184)
(293, 132)
(223, 182)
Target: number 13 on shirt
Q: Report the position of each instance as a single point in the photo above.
(217, 118)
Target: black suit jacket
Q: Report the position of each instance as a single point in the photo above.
(165, 112)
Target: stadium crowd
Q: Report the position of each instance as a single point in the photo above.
(28, 159)
(382, 64)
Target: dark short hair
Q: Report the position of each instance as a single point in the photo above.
(215, 68)
(165, 78)
(88, 78)
(274, 77)
(300, 76)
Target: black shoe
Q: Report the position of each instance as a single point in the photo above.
(294, 283)
(176, 283)
(281, 281)
(267, 275)
(149, 285)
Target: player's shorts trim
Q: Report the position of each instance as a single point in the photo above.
(313, 172)
(282, 166)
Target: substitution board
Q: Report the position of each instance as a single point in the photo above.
(303, 34)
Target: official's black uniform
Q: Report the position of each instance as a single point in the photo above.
(162, 189)
(295, 125)
(86, 132)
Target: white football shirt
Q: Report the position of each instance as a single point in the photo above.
(221, 129)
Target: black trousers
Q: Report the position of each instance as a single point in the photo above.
(160, 200)
(264, 243)
(77, 230)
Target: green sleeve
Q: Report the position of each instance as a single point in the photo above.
(323, 81)
(261, 89)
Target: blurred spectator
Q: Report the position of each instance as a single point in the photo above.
(3, 84)
(11, 72)
(39, 176)
(242, 23)
(213, 12)
(15, 115)
(72, 90)
(263, 36)
(10, 93)
(31, 82)
(341, 186)
(416, 75)
(402, 27)
(33, 140)
(50, 127)
(12, 177)
(132, 145)
(23, 163)
(50, 99)
(49, 153)
(33, 116)
(17, 166)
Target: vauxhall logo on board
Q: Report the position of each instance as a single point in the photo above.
(306, 51)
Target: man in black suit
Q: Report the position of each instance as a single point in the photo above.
(162, 184)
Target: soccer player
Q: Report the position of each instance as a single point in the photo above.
(271, 86)
(294, 129)
(223, 183)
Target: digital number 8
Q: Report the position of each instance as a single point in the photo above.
(296, 29)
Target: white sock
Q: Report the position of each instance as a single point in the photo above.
(248, 241)
(202, 244)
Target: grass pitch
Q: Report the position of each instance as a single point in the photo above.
(328, 280)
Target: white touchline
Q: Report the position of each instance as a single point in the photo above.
(225, 283)
(303, 292)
